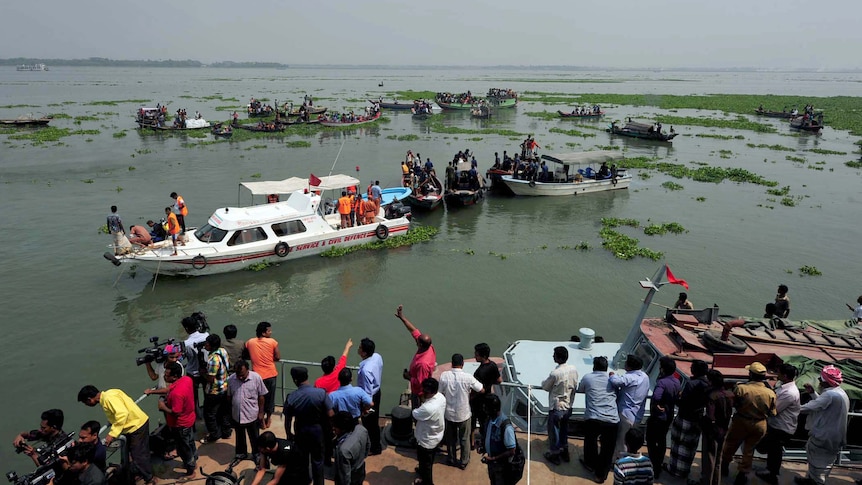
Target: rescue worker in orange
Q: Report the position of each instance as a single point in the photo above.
(173, 228)
(370, 209)
(180, 210)
(356, 213)
(344, 204)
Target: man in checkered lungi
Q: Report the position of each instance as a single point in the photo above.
(685, 432)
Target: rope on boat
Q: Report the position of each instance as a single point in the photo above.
(336, 157)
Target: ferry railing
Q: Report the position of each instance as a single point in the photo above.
(285, 384)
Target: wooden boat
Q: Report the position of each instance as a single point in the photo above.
(502, 98)
(27, 120)
(773, 114)
(312, 110)
(807, 123)
(573, 115)
(276, 128)
(428, 195)
(394, 106)
(221, 131)
(456, 102)
(574, 175)
(643, 131)
(481, 112)
(235, 238)
(463, 191)
(189, 125)
(360, 121)
(421, 116)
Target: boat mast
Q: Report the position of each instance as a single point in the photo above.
(634, 334)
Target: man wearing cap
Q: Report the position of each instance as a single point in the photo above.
(307, 404)
(826, 425)
(157, 372)
(754, 402)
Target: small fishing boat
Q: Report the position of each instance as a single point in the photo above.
(27, 120)
(236, 237)
(187, 125)
(428, 195)
(392, 194)
(574, 175)
(575, 115)
(643, 131)
(360, 120)
(807, 123)
(394, 105)
(773, 114)
(221, 131)
(464, 190)
(262, 128)
(311, 110)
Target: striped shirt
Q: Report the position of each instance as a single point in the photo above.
(633, 469)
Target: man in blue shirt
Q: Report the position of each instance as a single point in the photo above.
(632, 390)
(348, 398)
(308, 405)
(369, 379)
(601, 420)
(376, 191)
(428, 165)
(500, 442)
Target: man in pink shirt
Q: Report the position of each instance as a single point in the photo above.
(424, 361)
(179, 409)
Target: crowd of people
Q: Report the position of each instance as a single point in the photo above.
(586, 110)
(418, 176)
(257, 108)
(356, 210)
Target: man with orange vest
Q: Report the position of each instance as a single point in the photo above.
(344, 206)
(356, 214)
(173, 227)
(180, 210)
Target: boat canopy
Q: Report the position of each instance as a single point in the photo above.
(292, 184)
(584, 158)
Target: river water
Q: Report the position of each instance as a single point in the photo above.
(501, 271)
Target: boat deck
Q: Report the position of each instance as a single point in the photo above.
(396, 466)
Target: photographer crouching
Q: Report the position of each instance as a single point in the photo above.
(50, 432)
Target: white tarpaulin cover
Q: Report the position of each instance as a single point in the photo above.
(584, 158)
(201, 123)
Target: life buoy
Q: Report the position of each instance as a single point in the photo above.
(282, 249)
(199, 262)
(712, 339)
(382, 232)
(532, 183)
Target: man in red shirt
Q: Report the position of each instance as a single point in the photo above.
(329, 380)
(424, 361)
(179, 409)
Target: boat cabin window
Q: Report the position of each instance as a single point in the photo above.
(210, 234)
(288, 228)
(646, 353)
(245, 236)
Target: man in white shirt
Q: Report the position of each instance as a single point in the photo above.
(826, 425)
(194, 346)
(456, 385)
(857, 312)
(780, 428)
(430, 426)
(561, 385)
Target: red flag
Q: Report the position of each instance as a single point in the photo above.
(313, 181)
(672, 279)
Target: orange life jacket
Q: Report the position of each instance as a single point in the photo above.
(184, 211)
(344, 205)
(173, 224)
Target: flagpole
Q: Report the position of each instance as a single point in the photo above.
(336, 157)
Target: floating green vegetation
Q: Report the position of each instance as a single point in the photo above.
(725, 153)
(499, 255)
(229, 108)
(417, 234)
(298, 144)
(739, 123)
(672, 185)
(616, 222)
(14, 106)
(788, 201)
(783, 191)
(260, 266)
(132, 168)
(571, 132)
(608, 147)
(50, 134)
(854, 163)
(60, 116)
(409, 137)
(411, 95)
(625, 247)
(794, 159)
(720, 137)
(821, 151)
(645, 175)
(780, 148)
(545, 115)
(7, 131)
(700, 199)
(119, 134)
(662, 229)
(572, 144)
(436, 125)
(115, 103)
(88, 181)
(809, 271)
(79, 119)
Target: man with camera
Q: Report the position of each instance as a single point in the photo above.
(156, 363)
(50, 432)
(127, 419)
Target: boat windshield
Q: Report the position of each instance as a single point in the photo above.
(210, 234)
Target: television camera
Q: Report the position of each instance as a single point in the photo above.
(156, 353)
(49, 456)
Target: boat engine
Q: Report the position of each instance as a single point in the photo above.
(110, 257)
(398, 209)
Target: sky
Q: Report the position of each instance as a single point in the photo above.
(769, 34)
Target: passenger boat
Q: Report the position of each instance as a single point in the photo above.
(394, 105)
(726, 343)
(312, 110)
(359, 121)
(773, 114)
(464, 192)
(502, 98)
(456, 102)
(807, 123)
(428, 196)
(266, 128)
(31, 67)
(574, 175)
(643, 131)
(574, 115)
(221, 131)
(236, 237)
(27, 120)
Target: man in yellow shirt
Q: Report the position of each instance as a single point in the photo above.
(127, 419)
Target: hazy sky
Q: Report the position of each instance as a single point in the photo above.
(624, 33)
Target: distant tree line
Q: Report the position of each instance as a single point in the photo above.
(105, 62)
